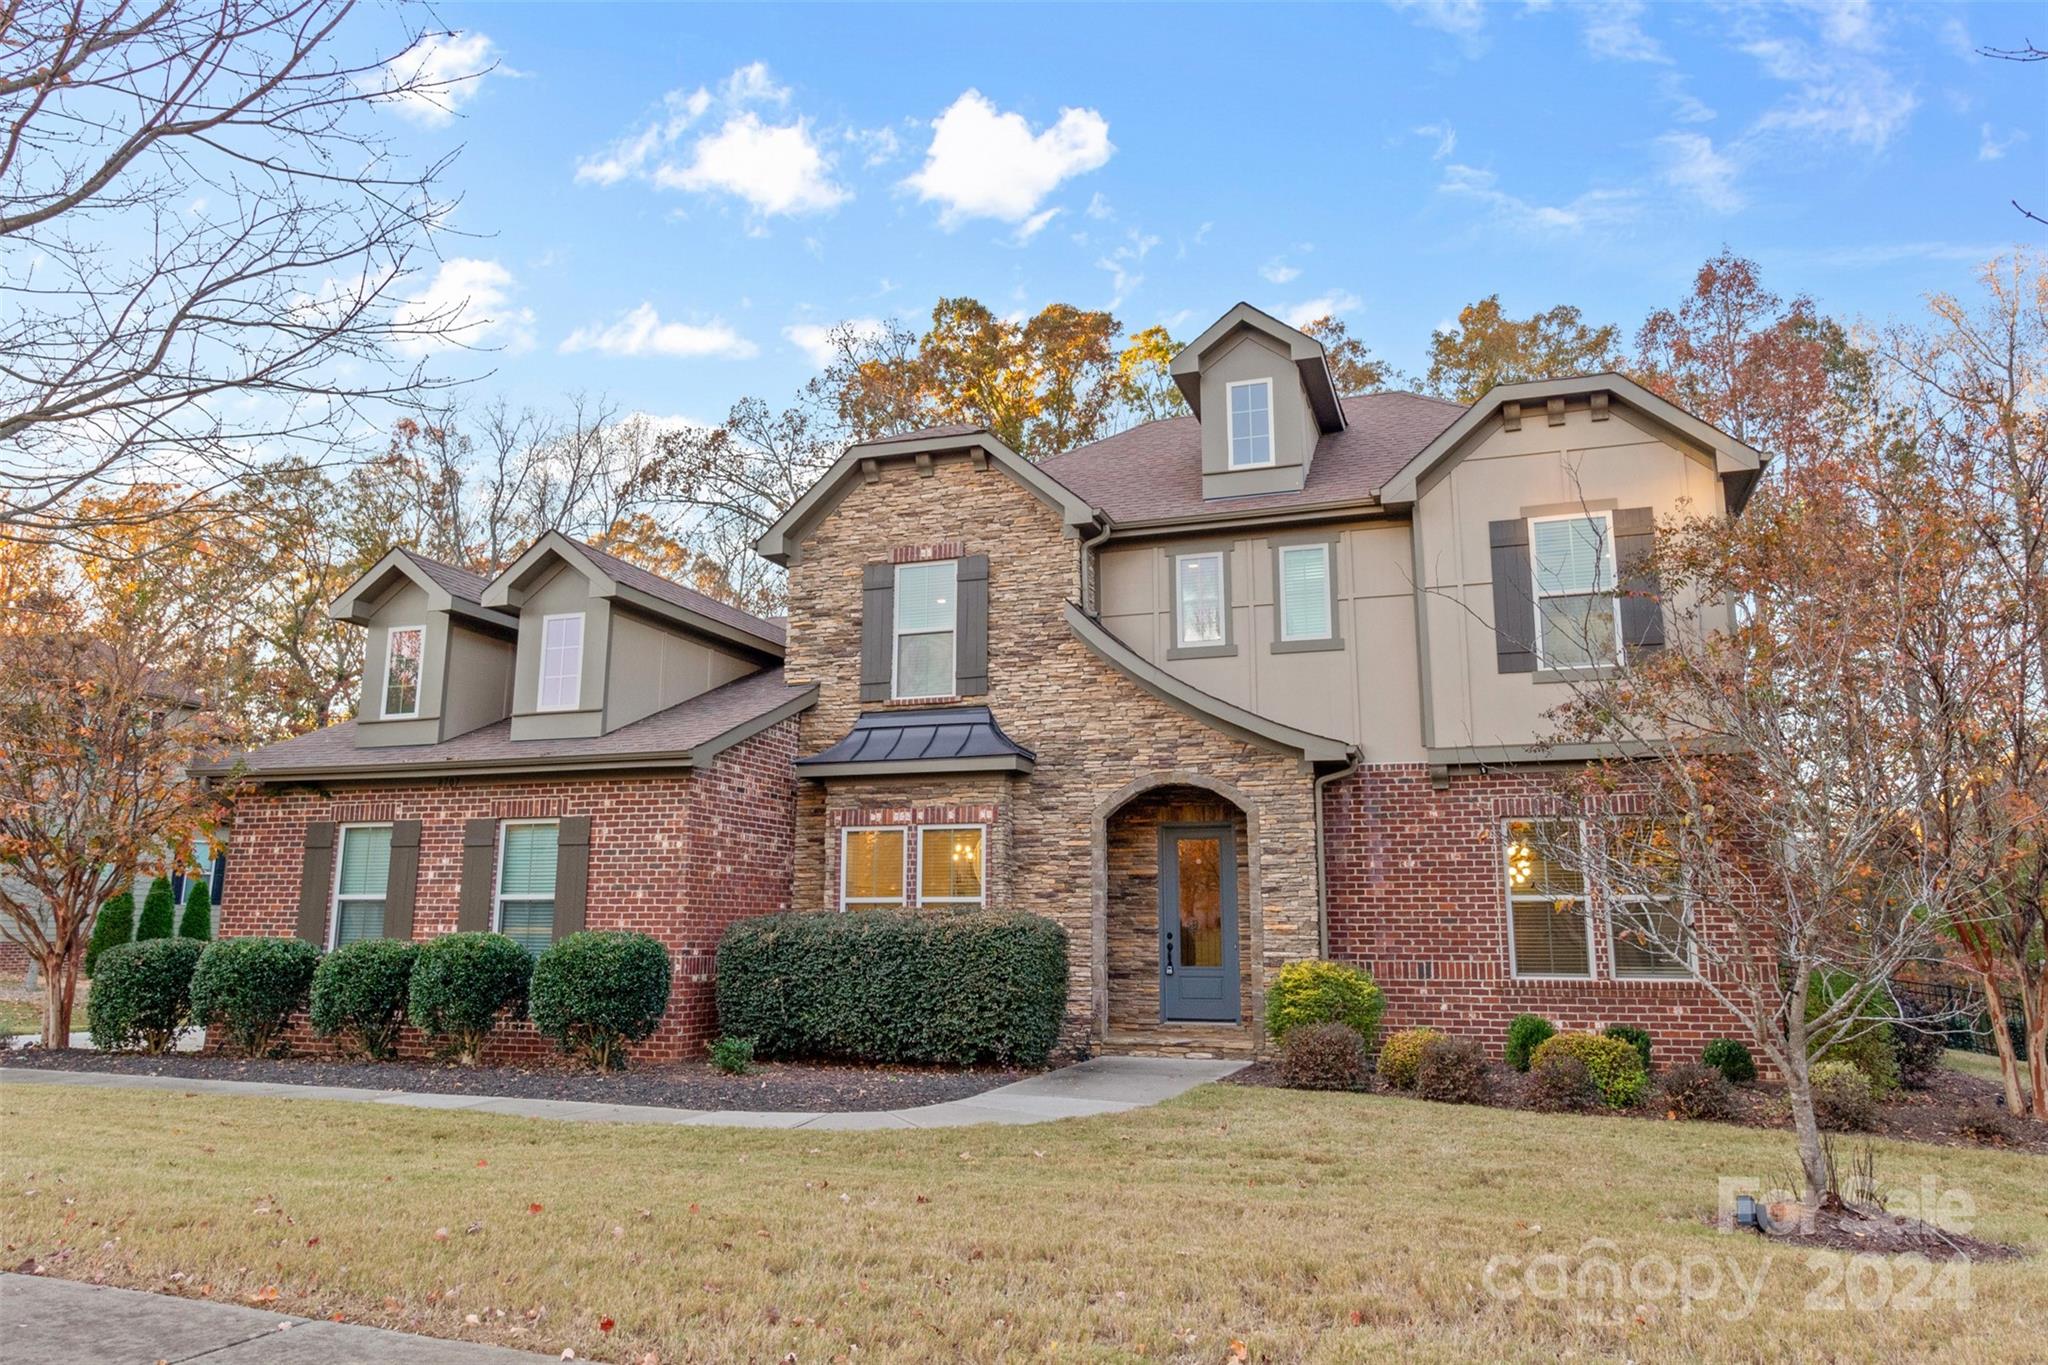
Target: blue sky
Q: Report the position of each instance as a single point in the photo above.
(667, 203)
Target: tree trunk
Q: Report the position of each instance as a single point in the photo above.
(2034, 1002)
(2001, 1038)
(60, 990)
(1813, 1160)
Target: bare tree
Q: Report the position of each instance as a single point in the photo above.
(213, 253)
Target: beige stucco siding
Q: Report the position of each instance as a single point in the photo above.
(401, 606)
(479, 690)
(563, 592)
(1252, 356)
(654, 667)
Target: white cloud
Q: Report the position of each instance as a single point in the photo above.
(878, 146)
(1841, 88)
(1464, 18)
(1322, 306)
(1035, 224)
(1594, 208)
(1445, 137)
(1277, 271)
(442, 72)
(468, 303)
(1686, 106)
(986, 164)
(1098, 207)
(814, 339)
(1615, 29)
(1694, 168)
(642, 332)
(1991, 147)
(1122, 265)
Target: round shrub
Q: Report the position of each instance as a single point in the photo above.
(595, 992)
(159, 912)
(1614, 1065)
(1844, 1100)
(1637, 1038)
(1917, 1045)
(142, 996)
(460, 985)
(1860, 1037)
(1731, 1059)
(733, 1056)
(1694, 1090)
(1560, 1084)
(251, 987)
(360, 990)
(950, 988)
(1324, 1056)
(1526, 1033)
(1317, 992)
(1452, 1071)
(1401, 1054)
(113, 926)
(197, 921)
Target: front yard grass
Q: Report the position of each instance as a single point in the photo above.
(21, 1009)
(1282, 1225)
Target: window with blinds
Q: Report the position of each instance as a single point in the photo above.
(362, 878)
(1648, 920)
(1578, 612)
(871, 869)
(1198, 598)
(1547, 930)
(949, 865)
(526, 882)
(1305, 592)
(926, 615)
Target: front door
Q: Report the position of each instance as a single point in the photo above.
(1198, 923)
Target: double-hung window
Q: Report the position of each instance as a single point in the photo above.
(1547, 911)
(1578, 612)
(561, 662)
(949, 865)
(871, 869)
(927, 603)
(403, 648)
(526, 882)
(1251, 423)
(1200, 611)
(1649, 935)
(362, 880)
(1304, 592)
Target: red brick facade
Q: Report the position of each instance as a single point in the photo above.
(679, 856)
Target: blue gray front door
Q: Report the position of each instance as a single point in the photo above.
(1198, 923)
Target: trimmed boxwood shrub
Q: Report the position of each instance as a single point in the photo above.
(142, 996)
(1638, 1038)
(1313, 991)
(360, 989)
(1526, 1033)
(1614, 1065)
(595, 992)
(1731, 1059)
(461, 983)
(1452, 1071)
(1401, 1054)
(112, 927)
(894, 986)
(159, 912)
(197, 921)
(1324, 1056)
(251, 987)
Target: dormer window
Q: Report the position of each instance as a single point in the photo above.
(561, 662)
(403, 648)
(1251, 423)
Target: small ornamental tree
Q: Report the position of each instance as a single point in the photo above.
(159, 912)
(461, 983)
(593, 993)
(197, 922)
(112, 927)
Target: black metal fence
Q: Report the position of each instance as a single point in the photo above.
(1959, 1011)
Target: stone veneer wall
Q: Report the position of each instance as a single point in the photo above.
(1417, 896)
(1094, 732)
(679, 856)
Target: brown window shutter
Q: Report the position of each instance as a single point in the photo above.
(479, 860)
(572, 875)
(404, 879)
(1642, 601)
(316, 879)
(1514, 597)
(877, 626)
(971, 672)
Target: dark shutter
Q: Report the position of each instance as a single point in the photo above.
(877, 624)
(572, 874)
(316, 876)
(479, 853)
(1514, 597)
(971, 678)
(404, 878)
(1642, 602)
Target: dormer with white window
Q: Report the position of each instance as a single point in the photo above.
(1263, 394)
(437, 663)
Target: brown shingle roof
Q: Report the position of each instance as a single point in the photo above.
(1154, 472)
(654, 585)
(459, 582)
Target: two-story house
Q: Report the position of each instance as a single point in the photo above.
(1261, 683)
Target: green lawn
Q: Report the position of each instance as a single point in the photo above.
(1303, 1226)
(1982, 1065)
(21, 1009)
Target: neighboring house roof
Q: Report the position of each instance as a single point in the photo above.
(1304, 350)
(448, 588)
(1154, 472)
(636, 586)
(894, 743)
(687, 734)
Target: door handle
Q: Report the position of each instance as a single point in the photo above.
(1172, 951)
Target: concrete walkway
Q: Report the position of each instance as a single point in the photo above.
(60, 1322)
(1106, 1085)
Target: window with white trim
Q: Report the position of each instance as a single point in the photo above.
(362, 881)
(949, 859)
(561, 662)
(1647, 910)
(871, 868)
(1304, 592)
(525, 901)
(1251, 423)
(404, 646)
(1548, 930)
(1578, 612)
(1198, 600)
(927, 606)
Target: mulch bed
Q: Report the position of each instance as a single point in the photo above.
(1839, 1225)
(1936, 1114)
(780, 1086)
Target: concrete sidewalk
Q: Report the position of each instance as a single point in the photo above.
(1106, 1085)
(59, 1322)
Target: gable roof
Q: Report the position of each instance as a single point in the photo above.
(1304, 350)
(619, 580)
(448, 587)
